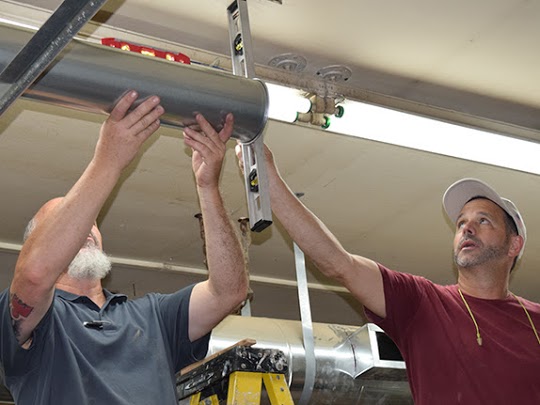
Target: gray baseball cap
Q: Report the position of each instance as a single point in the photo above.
(462, 191)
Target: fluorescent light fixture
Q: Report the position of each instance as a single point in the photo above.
(285, 102)
(430, 135)
(412, 131)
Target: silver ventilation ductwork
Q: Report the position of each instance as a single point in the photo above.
(92, 77)
(354, 365)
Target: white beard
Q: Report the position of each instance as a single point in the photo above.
(90, 263)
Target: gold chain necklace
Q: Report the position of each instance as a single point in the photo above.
(479, 337)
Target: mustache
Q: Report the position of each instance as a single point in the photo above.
(468, 238)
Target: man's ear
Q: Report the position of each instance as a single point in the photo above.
(516, 243)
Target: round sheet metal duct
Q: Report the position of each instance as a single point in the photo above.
(93, 77)
(354, 365)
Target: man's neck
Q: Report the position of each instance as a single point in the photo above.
(487, 283)
(90, 288)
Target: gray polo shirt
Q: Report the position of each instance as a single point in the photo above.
(124, 353)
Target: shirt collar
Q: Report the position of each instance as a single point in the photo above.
(109, 296)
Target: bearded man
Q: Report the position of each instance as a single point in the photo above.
(67, 340)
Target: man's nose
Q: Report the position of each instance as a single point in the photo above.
(468, 228)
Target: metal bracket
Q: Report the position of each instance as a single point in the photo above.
(43, 47)
(255, 175)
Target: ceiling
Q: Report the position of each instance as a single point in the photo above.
(474, 63)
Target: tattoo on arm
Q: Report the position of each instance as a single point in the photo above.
(19, 312)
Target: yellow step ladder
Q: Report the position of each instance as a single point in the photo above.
(236, 375)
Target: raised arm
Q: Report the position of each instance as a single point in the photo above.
(361, 276)
(227, 282)
(63, 225)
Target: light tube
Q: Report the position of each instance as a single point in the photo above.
(412, 131)
(285, 102)
(430, 135)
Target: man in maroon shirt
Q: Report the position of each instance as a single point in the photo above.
(470, 343)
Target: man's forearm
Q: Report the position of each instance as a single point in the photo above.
(310, 233)
(226, 264)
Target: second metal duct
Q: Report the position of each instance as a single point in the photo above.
(92, 77)
(354, 365)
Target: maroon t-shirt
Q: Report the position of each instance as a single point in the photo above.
(437, 338)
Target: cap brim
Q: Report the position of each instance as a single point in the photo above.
(462, 191)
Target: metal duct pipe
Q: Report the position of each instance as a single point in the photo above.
(354, 365)
(93, 77)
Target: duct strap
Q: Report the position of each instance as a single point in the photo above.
(307, 326)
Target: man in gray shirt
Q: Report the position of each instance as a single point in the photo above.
(65, 339)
